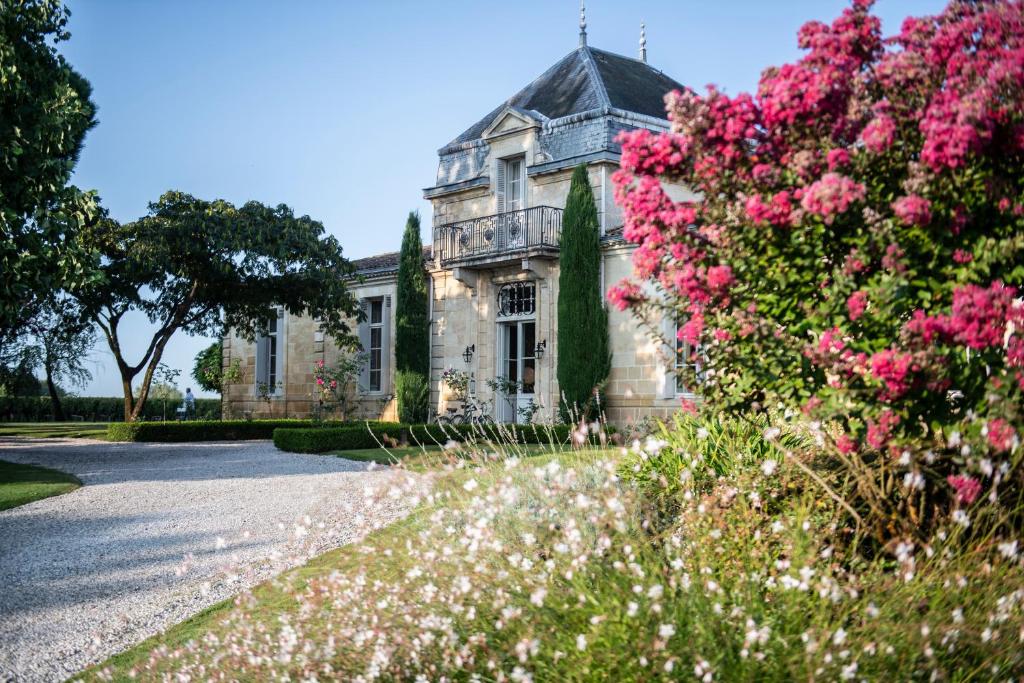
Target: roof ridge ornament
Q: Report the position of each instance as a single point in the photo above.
(583, 24)
(643, 42)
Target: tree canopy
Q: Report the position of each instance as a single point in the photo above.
(583, 349)
(45, 112)
(199, 267)
(208, 368)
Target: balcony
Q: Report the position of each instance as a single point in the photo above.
(502, 237)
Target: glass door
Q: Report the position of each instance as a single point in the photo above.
(519, 366)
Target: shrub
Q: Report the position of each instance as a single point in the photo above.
(413, 392)
(200, 430)
(91, 408)
(325, 439)
(691, 453)
(370, 435)
(856, 254)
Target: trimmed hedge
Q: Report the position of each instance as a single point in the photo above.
(205, 430)
(94, 408)
(355, 436)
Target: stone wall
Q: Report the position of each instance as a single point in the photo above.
(303, 346)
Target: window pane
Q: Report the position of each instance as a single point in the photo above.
(529, 375)
(529, 339)
(376, 312)
(374, 380)
(512, 346)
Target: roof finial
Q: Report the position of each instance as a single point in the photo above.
(583, 24)
(643, 42)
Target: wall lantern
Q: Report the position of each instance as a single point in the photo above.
(467, 355)
(538, 352)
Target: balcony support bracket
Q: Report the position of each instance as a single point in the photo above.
(537, 267)
(465, 276)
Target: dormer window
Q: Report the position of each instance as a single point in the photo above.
(510, 188)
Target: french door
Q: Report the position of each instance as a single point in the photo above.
(518, 364)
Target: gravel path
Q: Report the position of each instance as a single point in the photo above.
(161, 531)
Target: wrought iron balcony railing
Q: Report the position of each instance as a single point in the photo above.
(510, 232)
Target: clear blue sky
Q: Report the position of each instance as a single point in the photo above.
(338, 108)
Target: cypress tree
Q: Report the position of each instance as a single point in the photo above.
(412, 328)
(583, 350)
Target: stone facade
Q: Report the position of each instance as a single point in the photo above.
(492, 238)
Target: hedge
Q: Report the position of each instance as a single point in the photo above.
(94, 408)
(355, 436)
(205, 430)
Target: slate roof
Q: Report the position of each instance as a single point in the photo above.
(584, 80)
(383, 263)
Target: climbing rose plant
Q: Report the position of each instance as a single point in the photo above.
(853, 250)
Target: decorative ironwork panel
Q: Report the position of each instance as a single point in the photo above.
(517, 299)
(502, 233)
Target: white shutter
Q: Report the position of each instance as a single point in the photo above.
(386, 346)
(364, 343)
(262, 359)
(499, 186)
(666, 360)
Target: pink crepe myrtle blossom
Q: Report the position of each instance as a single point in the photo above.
(837, 158)
(961, 256)
(1001, 435)
(856, 304)
(880, 430)
(832, 195)
(913, 210)
(624, 294)
(893, 368)
(965, 487)
(879, 134)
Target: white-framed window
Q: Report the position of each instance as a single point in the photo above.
(514, 184)
(510, 184)
(376, 349)
(685, 358)
(375, 339)
(270, 355)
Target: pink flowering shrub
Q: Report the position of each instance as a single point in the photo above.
(856, 255)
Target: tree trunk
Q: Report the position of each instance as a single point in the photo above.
(129, 399)
(55, 404)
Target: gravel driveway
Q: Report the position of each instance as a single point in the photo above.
(161, 531)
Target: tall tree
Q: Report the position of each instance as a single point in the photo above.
(583, 351)
(205, 266)
(45, 112)
(412, 327)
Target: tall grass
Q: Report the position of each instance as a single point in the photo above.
(559, 568)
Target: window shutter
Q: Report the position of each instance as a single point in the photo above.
(262, 359)
(522, 185)
(666, 360)
(386, 347)
(499, 186)
(364, 343)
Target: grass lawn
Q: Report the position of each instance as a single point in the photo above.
(50, 430)
(20, 484)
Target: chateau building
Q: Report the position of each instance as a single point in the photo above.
(493, 261)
